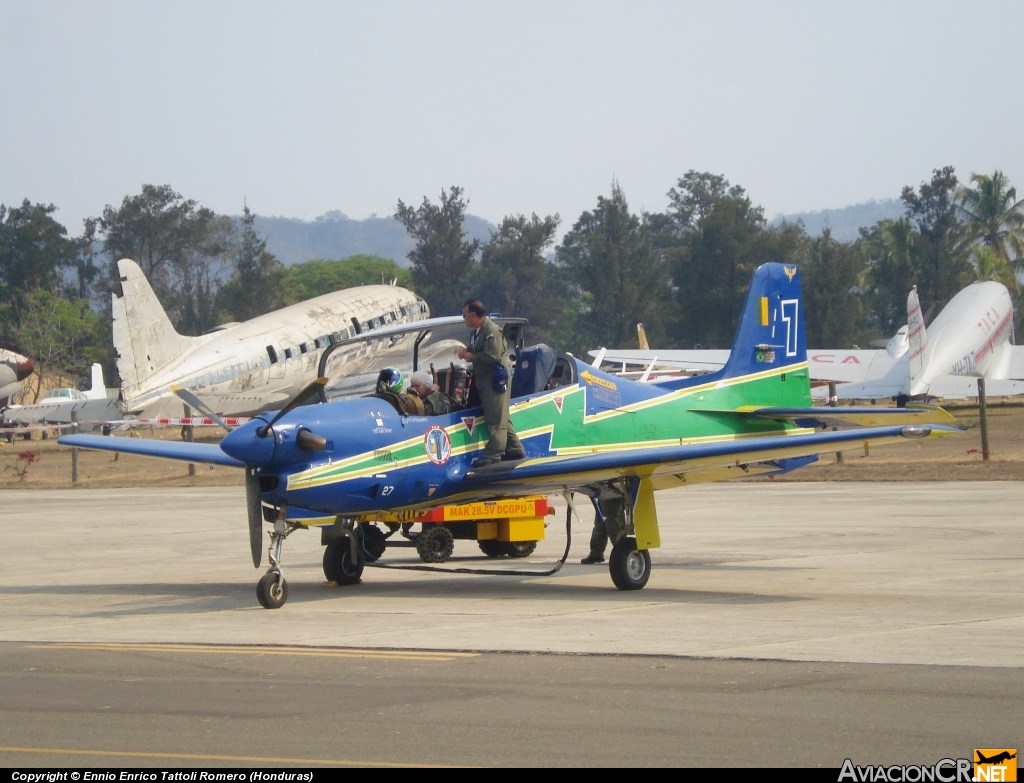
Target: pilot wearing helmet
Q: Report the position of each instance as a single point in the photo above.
(390, 381)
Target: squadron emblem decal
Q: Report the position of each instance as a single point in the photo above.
(437, 444)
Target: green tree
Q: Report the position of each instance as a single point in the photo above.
(87, 271)
(257, 285)
(179, 247)
(442, 259)
(889, 273)
(941, 250)
(56, 333)
(995, 219)
(830, 276)
(514, 275)
(320, 276)
(610, 255)
(34, 253)
(715, 230)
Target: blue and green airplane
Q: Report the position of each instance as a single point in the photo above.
(348, 462)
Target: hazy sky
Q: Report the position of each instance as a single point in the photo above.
(300, 108)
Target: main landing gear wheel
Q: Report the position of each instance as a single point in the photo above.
(629, 567)
(272, 590)
(339, 566)
(435, 544)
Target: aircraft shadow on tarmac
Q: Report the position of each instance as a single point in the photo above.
(199, 597)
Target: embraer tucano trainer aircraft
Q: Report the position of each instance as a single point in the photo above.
(584, 431)
(969, 339)
(243, 368)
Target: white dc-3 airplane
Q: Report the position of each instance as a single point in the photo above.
(244, 368)
(343, 465)
(969, 339)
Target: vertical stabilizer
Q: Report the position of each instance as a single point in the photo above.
(144, 339)
(641, 337)
(917, 337)
(771, 330)
(767, 365)
(98, 388)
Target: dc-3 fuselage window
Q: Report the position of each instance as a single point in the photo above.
(272, 353)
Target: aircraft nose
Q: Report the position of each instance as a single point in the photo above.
(24, 369)
(246, 444)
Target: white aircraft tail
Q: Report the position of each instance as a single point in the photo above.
(98, 389)
(917, 337)
(641, 336)
(144, 339)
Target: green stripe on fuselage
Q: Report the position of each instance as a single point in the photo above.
(689, 415)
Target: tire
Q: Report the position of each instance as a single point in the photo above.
(338, 565)
(270, 592)
(435, 544)
(630, 568)
(374, 542)
(493, 548)
(521, 548)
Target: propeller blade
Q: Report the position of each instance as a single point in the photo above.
(193, 401)
(312, 393)
(255, 509)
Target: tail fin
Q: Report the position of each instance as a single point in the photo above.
(98, 389)
(898, 343)
(641, 337)
(144, 339)
(769, 352)
(917, 337)
(770, 335)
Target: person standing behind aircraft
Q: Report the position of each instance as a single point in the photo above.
(492, 375)
(423, 386)
(609, 524)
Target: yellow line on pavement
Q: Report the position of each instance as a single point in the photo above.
(237, 649)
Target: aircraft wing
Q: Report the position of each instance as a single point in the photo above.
(835, 365)
(685, 464)
(820, 417)
(206, 453)
(686, 361)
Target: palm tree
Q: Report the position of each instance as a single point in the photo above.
(995, 217)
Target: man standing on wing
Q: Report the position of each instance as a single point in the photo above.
(492, 375)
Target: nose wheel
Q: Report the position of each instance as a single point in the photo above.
(272, 590)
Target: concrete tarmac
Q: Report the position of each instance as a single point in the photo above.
(900, 573)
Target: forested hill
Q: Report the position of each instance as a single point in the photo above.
(846, 222)
(334, 235)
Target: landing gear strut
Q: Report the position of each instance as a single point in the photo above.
(272, 589)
